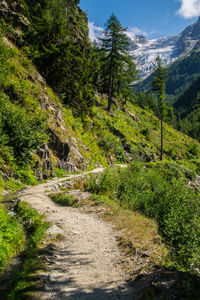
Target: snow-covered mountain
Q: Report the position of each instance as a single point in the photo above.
(144, 52)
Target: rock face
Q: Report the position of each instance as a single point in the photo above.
(44, 169)
(69, 157)
(190, 38)
(13, 10)
(63, 150)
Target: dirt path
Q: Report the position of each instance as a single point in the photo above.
(86, 264)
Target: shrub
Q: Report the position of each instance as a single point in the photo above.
(159, 191)
(62, 199)
(12, 237)
(34, 223)
(112, 145)
(23, 131)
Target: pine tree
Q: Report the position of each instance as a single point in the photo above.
(158, 85)
(116, 63)
(57, 42)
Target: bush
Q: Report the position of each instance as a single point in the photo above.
(62, 199)
(34, 223)
(159, 191)
(12, 237)
(23, 280)
(112, 146)
(23, 131)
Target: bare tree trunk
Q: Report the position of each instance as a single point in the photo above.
(110, 94)
(161, 148)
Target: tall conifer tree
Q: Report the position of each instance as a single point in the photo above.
(117, 65)
(158, 85)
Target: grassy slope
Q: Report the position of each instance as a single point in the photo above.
(140, 138)
(103, 137)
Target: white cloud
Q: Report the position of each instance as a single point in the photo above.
(189, 8)
(94, 31)
(133, 31)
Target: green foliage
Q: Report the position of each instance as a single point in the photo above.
(186, 101)
(118, 70)
(62, 199)
(58, 44)
(36, 227)
(182, 88)
(159, 191)
(189, 111)
(22, 129)
(182, 73)
(34, 223)
(112, 145)
(12, 237)
(146, 100)
(158, 85)
(22, 132)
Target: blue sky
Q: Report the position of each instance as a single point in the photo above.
(155, 18)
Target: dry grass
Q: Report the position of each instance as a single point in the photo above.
(138, 236)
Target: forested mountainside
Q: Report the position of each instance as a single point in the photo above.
(182, 91)
(182, 84)
(181, 74)
(64, 108)
(54, 35)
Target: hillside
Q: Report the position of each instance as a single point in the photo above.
(181, 74)
(60, 140)
(119, 136)
(182, 88)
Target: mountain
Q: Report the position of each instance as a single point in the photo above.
(144, 51)
(189, 38)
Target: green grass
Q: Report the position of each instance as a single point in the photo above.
(12, 237)
(36, 227)
(62, 199)
(159, 191)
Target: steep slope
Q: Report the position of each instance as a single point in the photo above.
(187, 100)
(27, 94)
(189, 39)
(187, 106)
(181, 74)
(70, 144)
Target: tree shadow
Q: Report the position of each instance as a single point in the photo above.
(167, 284)
(161, 284)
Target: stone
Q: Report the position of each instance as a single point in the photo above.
(54, 230)
(132, 115)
